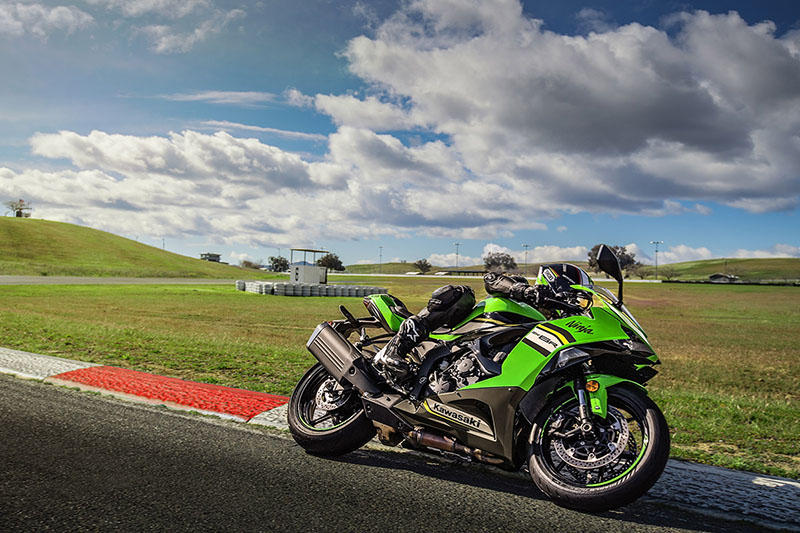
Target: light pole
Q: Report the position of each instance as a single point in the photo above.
(656, 243)
(525, 271)
(457, 244)
(380, 259)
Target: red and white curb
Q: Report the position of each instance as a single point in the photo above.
(227, 402)
(768, 500)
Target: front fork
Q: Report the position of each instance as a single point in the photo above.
(584, 410)
(591, 390)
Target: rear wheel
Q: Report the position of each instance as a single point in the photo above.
(610, 468)
(326, 418)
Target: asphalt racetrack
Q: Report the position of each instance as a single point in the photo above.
(80, 461)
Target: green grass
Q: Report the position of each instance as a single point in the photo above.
(46, 248)
(728, 382)
(386, 268)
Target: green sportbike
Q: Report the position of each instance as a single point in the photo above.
(563, 395)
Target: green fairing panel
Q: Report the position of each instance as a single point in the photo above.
(528, 358)
(493, 305)
(384, 304)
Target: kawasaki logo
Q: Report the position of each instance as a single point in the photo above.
(577, 326)
(459, 416)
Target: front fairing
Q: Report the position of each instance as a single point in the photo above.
(600, 323)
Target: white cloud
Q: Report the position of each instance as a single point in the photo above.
(298, 99)
(241, 98)
(224, 125)
(561, 228)
(449, 260)
(18, 19)
(369, 113)
(779, 250)
(169, 39)
(164, 8)
(540, 254)
(625, 119)
(239, 257)
(681, 253)
(219, 158)
(670, 254)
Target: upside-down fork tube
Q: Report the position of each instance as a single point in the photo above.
(425, 438)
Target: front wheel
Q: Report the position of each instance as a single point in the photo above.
(609, 468)
(326, 418)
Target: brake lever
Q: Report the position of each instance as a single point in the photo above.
(349, 316)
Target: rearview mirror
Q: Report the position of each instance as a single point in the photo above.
(609, 264)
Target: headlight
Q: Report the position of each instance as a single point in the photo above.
(570, 356)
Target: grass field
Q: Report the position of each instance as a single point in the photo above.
(46, 248)
(728, 383)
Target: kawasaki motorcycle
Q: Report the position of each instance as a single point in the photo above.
(562, 395)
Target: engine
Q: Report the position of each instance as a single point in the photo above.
(449, 375)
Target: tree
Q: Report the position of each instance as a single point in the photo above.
(626, 258)
(499, 261)
(278, 264)
(422, 265)
(637, 269)
(330, 261)
(667, 272)
(246, 263)
(19, 207)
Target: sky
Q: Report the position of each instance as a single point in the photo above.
(392, 130)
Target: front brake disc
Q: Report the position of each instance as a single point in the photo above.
(588, 454)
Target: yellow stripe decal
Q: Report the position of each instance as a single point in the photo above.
(561, 337)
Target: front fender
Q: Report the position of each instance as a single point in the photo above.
(598, 400)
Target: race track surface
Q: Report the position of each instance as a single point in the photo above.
(79, 461)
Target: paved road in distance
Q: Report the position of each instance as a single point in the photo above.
(80, 461)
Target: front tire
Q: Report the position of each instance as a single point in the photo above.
(325, 418)
(620, 464)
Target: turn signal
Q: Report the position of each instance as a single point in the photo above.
(592, 385)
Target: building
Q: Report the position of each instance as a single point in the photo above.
(719, 277)
(214, 258)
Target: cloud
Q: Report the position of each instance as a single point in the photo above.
(164, 8)
(298, 99)
(226, 126)
(18, 19)
(628, 119)
(449, 260)
(236, 257)
(169, 39)
(186, 156)
(672, 254)
(369, 113)
(779, 250)
(540, 254)
(241, 98)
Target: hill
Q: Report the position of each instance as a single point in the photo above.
(746, 269)
(385, 268)
(42, 247)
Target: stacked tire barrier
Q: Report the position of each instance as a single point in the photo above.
(308, 289)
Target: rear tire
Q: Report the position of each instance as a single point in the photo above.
(563, 468)
(325, 418)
